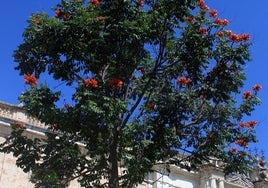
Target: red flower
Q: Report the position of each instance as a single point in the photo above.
(245, 36)
(233, 150)
(257, 87)
(249, 124)
(189, 19)
(17, 124)
(151, 105)
(246, 95)
(183, 81)
(202, 30)
(30, 79)
(221, 22)
(60, 14)
(142, 70)
(213, 13)
(241, 142)
(202, 5)
(116, 83)
(234, 38)
(220, 34)
(91, 83)
(101, 19)
(201, 2)
(212, 135)
(94, 2)
(238, 38)
(229, 32)
(141, 3)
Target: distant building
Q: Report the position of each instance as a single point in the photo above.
(208, 176)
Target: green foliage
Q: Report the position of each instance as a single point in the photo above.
(150, 83)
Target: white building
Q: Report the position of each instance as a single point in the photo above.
(209, 176)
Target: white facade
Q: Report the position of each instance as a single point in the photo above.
(207, 177)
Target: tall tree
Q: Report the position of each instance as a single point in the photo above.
(150, 80)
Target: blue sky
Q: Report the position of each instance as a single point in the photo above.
(244, 16)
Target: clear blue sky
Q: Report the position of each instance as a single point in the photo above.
(244, 16)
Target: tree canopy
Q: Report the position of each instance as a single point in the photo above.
(150, 80)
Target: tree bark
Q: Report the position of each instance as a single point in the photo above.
(113, 160)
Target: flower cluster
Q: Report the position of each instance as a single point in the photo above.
(257, 87)
(202, 5)
(233, 150)
(246, 95)
(115, 83)
(101, 19)
(91, 83)
(17, 124)
(238, 38)
(151, 105)
(249, 124)
(241, 142)
(141, 3)
(142, 70)
(234, 37)
(183, 81)
(222, 22)
(30, 79)
(60, 14)
(202, 31)
(220, 34)
(94, 2)
(190, 19)
(213, 13)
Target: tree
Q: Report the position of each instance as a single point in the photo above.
(150, 79)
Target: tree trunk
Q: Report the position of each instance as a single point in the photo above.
(113, 160)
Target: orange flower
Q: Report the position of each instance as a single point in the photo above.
(142, 70)
(183, 81)
(245, 36)
(241, 142)
(141, 3)
(202, 5)
(151, 105)
(202, 30)
(249, 124)
(101, 19)
(17, 124)
(213, 13)
(60, 14)
(94, 2)
(116, 83)
(220, 34)
(246, 95)
(221, 22)
(238, 38)
(91, 83)
(233, 150)
(189, 19)
(201, 2)
(257, 87)
(30, 79)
